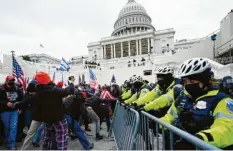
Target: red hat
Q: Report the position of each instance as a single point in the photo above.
(10, 78)
(43, 78)
(60, 84)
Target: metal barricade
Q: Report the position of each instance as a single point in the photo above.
(124, 127)
(148, 138)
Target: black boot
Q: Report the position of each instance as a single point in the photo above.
(35, 145)
(98, 137)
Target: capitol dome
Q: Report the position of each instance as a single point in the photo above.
(132, 17)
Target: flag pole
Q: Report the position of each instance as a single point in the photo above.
(12, 54)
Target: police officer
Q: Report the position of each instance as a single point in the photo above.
(126, 91)
(165, 81)
(170, 91)
(139, 89)
(201, 109)
(227, 85)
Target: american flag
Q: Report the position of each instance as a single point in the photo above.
(93, 80)
(18, 73)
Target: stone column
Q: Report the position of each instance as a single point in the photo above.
(137, 46)
(121, 49)
(104, 51)
(148, 41)
(140, 47)
(111, 51)
(114, 50)
(129, 48)
(152, 45)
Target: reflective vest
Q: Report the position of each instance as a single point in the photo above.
(210, 116)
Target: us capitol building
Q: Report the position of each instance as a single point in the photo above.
(134, 36)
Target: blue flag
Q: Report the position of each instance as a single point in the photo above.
(113, 79)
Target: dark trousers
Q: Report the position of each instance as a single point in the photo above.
(21, 125)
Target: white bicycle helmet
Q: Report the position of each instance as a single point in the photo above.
(165, 70)
(194, 66)
(139, 79)
(133, 79)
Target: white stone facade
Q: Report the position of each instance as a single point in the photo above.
(44, 58)
(78, 60)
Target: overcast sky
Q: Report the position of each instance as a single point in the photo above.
(64, 27)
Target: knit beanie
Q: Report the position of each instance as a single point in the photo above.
(43, 78)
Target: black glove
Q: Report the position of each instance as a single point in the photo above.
(120, 99)
(199, 136)
(141, 109)
(186, 116)
(134, 104)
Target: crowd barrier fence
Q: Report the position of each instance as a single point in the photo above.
(133, 130)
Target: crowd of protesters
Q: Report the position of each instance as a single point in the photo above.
(52, 112)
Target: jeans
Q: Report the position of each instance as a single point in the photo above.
(10, 122)
(78, 132)
(37, 136)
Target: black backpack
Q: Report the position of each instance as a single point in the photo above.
(73, 104)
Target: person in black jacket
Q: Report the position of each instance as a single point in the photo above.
(74, 107)
(9, 116)
(94, 111)
(36, 120)
(48, 101)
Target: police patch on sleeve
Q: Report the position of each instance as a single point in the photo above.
(230, 106)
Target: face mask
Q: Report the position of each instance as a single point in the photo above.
(138, 85)
(10, 83)
(194, 90)
(163, 84)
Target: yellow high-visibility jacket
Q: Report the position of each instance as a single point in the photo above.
(143, 90)
(126, 95)
(165, 100)
(220, 133)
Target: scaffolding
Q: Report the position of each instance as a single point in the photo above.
(224, 53)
